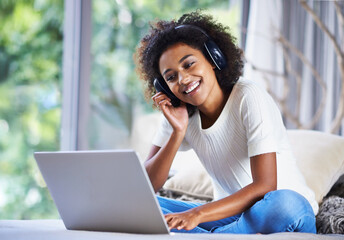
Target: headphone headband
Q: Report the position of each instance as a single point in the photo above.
(194, 27)
(211, 47)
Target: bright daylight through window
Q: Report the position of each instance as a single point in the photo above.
(31, 86)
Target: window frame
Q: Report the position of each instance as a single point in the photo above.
(76, 74)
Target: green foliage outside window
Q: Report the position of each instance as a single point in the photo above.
(30, 103)
(31, 45)
(116, 93)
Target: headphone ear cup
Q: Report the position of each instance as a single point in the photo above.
(216, 54)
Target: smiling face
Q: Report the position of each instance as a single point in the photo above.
(189, 75)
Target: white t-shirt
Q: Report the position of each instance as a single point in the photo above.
(250, 124)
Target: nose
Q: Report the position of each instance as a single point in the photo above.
(183, 78)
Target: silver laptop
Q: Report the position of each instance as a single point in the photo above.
(102, 191)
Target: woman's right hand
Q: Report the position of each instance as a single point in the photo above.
(176, 116)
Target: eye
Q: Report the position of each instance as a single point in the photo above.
(170, 77)
(188, 65)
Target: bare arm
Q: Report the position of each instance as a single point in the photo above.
(264, 174)
(159, 160)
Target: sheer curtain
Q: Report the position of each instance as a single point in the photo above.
(295, 49)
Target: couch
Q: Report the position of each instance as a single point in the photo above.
(320, 157)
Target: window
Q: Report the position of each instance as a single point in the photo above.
(116, 97)
(31, 46)
(30, 90)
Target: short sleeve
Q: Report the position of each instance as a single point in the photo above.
(163, 134)
(261, 119)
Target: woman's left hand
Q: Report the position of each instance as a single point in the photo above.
(184, 220)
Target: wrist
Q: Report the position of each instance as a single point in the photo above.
(179, 132)
(198, 214)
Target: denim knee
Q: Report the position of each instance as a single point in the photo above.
(289, 201)
(291, 210)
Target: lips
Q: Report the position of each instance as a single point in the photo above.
(191, 87)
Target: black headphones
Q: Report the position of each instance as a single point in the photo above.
(213, 50)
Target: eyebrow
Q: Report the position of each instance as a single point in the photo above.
(180, 61)
(183, 58)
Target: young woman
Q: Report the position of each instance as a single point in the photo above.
(231, 123)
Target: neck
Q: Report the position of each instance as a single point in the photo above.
(211, 110)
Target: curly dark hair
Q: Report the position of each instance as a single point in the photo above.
(163, 34)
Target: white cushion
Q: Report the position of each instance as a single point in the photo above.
(189, 177)
(320, 157)
(143, 131)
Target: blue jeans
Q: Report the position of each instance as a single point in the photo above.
(278, 211)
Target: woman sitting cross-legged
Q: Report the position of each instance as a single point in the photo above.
(232, 124)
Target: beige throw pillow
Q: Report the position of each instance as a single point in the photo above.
(189, 177)
(320, 157)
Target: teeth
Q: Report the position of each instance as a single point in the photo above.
(192, 87)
